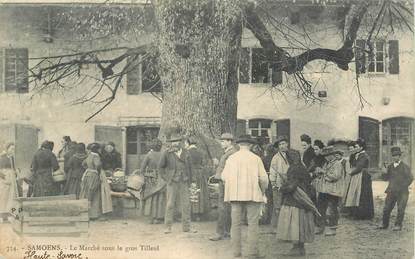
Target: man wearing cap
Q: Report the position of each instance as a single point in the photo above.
(330, 188)
(278, 170)
(223, 226)
(175, 168)
(245, 184)
(400, 177)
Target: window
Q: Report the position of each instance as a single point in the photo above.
(139, 139)
(254, 68)
(260, 129)
(142, 75)
(376, 61)
(383, 59)
(14, 70)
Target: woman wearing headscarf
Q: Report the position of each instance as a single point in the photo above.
(44, 163)
(8, 184)
(75, 171)
(154, 188)
(91, 182)
(296, 221)
(359, 196)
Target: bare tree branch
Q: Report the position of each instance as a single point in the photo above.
(282, 61)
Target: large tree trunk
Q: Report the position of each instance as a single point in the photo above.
(199, 44)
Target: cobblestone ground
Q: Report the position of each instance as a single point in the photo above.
(354, 239)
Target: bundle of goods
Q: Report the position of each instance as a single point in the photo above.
(118, 181)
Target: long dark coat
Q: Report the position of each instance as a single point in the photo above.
(43, 165)
(74, 174)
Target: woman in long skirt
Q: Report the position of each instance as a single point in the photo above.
(75, 171)
(8, 184)
(91, 182)
(359, 196)
(154, 188)
(200, 175)
(295, 222)
(43, 165)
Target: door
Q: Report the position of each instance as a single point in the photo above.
(398, 131)
(104, 134)
(138, 144)
(369, 131)
(26, 144)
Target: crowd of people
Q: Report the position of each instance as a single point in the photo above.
(300, 193)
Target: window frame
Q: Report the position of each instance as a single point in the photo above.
(138, 141)
(260, 128)
(375, 61)
(139, 70)
(250, 69)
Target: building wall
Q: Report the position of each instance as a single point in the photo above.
(337, 116)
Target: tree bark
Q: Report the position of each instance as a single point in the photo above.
(199, 44)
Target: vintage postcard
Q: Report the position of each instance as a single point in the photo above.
(207, 129)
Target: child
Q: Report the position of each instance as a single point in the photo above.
(400, 177)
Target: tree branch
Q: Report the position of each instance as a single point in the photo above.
(282, 61)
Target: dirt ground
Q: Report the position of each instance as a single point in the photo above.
(132, 238)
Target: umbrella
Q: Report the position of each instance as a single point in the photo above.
(302, 197)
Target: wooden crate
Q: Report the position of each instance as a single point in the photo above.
(52, 216)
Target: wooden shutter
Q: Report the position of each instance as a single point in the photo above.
(22, 67)
(10, 70)
(360, 56)
(276, 77)
(244, 66)
(369, 131)
(240, 128)
(283, 128)
(1, 69)
(104, 134)
(393, 57)
(151, 79)
(133, 75)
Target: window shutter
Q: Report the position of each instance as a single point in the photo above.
(244, 66)
(240, 128)
(133, 75)
(283, 128)
(276, 77)
(1, 69)
(151, 80)
(393, 57)
(9, 70)
(360, 57)
(22, 70)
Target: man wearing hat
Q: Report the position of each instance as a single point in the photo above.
(223, 226)
(400, 177)
(330, 187)
(245, 184)
(278, 169)
(175, 168)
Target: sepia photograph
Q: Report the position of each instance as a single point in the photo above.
(208, 129)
